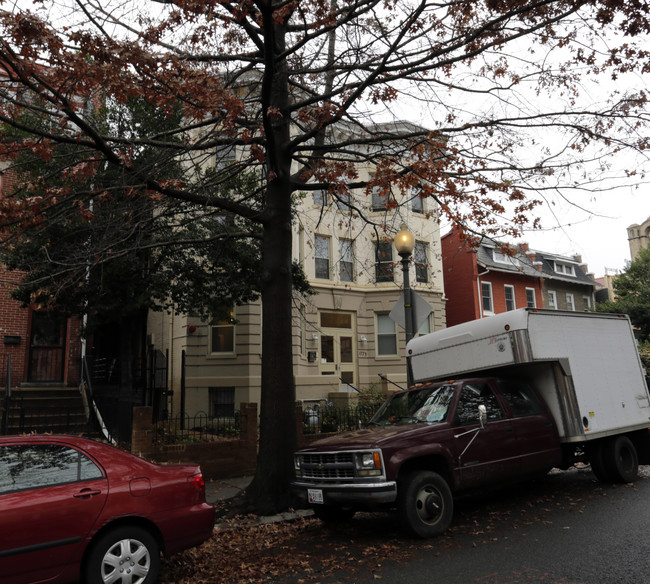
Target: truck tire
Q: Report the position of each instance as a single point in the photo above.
(621, 459)
(425, 504)
(332, 514)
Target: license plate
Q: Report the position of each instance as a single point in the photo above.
(315, 496)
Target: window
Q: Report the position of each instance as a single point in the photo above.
(471, 397)
(222, 335)
(26, 466)
(425, 327)
(386, 336)
(552, 299)
(381, 198)
(421, 261)
(222, 402)
(346, 255)
(531, 301)
(486, 297)
(562, 268)
(320, 197)
(224, 157)
(510, 297)
(417, 202)
(570, 302)
(384, 261)
(504, 258)
(322, 253)
(343, 200)
(586, 302)
(521, 399)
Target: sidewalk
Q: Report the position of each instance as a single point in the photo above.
(218, 491)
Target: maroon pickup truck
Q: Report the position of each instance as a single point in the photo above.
(426, 444)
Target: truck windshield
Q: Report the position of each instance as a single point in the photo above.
(429, 404)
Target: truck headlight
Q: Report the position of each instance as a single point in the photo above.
(369, 464)
(296, 463)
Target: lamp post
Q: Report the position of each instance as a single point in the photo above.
(404, 243)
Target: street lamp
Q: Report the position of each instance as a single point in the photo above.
(404, 243)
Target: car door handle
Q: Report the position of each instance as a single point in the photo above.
(86, 493)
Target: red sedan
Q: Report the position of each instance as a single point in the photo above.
(73, 509)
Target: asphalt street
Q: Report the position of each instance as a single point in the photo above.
(567, 529)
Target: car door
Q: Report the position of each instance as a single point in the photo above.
(50, 498)
(485, 455)
(537, 436)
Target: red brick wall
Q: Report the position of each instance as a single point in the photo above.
(14, 321)
(459, 273)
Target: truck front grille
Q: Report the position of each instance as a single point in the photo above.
(327, 466)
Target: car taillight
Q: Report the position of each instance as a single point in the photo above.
(198, 482)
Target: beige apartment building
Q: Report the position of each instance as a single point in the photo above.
(344, 336)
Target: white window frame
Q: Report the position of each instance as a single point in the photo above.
(417, 202)
(224, 324)
(385, 327)
(564, 268)
(503, 258)
(421, 261)
(317, 250)
(346, 258)
(531, 298)
(586, 302)
(552, 299)
(320, 198)
(570, 302)
(381, 264)
(511, 303)
(489, 297)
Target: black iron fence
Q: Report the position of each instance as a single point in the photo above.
(325, 417)
(197, 428)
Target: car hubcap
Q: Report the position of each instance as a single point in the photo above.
(126, 562)
(429, 505)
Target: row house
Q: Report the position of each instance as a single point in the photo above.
(43, 348)
(488, 278)
(344, 335)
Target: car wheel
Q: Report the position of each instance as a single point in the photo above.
(127, 555)
(332, 514)
(425, 504)
(621, 459)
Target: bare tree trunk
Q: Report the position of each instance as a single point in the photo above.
(269, 491)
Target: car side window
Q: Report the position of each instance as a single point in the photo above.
(471, 397)
(520, 397)
(32, 466)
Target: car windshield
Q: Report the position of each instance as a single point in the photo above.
(429, 404)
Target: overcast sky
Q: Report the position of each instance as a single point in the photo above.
(600, 237)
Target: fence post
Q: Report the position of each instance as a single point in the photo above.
(142, 432)
(300, 435)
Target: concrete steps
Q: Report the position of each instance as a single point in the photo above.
(40, 408)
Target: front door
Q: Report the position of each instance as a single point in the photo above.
(47, 347)
(337, 348)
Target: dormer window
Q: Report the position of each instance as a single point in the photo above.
(503, 258)
(562, 268)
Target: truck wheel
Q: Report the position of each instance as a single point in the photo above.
(425, 504)
(621, 459)
(332, 514)
(596, 456)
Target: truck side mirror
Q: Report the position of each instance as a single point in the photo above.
(482, 415)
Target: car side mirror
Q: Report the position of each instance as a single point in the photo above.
(482, 415)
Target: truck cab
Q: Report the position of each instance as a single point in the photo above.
(426, 444)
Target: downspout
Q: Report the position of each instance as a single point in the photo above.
(480, 292)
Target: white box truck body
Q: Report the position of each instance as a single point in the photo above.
(585, 365)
